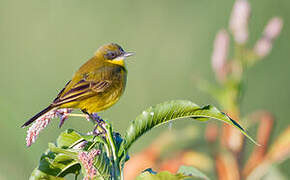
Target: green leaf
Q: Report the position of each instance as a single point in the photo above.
(72, 153)
(55, 165)
(68, 138)
(164, 175)
(168, 111)
(67, 158)
(60, 160)
(191, 171)
(102, 163)
(58, 164)
(39, 175)
(66, 164)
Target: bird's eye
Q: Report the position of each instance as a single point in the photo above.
(111, 55)
(121, 50)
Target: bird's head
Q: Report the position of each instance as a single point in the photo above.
(113, 53)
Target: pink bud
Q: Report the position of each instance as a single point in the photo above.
(273, 28)
(239, 21)
(220, 53)
(271, 31)
(263, 47)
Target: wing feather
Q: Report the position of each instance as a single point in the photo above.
(82, 89)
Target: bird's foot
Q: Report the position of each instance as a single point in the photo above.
(99, 128)
(98, 121)
(97, 118)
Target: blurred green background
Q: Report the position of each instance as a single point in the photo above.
(43, 42)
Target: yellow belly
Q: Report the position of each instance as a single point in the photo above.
(100, 102)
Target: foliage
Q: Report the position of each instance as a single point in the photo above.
(63, 157)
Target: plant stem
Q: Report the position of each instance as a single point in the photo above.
(77, 115)
(117, 174)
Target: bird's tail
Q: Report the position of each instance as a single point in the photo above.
(49, 108)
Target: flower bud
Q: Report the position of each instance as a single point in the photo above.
(220, 53)
(239, 21)
(271, 32)
(273, 28)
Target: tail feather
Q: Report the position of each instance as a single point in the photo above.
(37, 116)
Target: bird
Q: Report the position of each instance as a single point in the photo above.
(96, 85)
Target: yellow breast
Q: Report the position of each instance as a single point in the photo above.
(101, 101)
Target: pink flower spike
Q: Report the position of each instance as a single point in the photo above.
(273, 28)
(239, 21)
(36, 127)
(220, 53)
(40, 123)
(87, 160)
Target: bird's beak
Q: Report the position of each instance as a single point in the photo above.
(127, 54)
(123, 56)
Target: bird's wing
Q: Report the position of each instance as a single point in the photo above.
(61, 92)
(82, 89)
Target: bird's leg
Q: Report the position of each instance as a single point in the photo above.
(99, 123)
